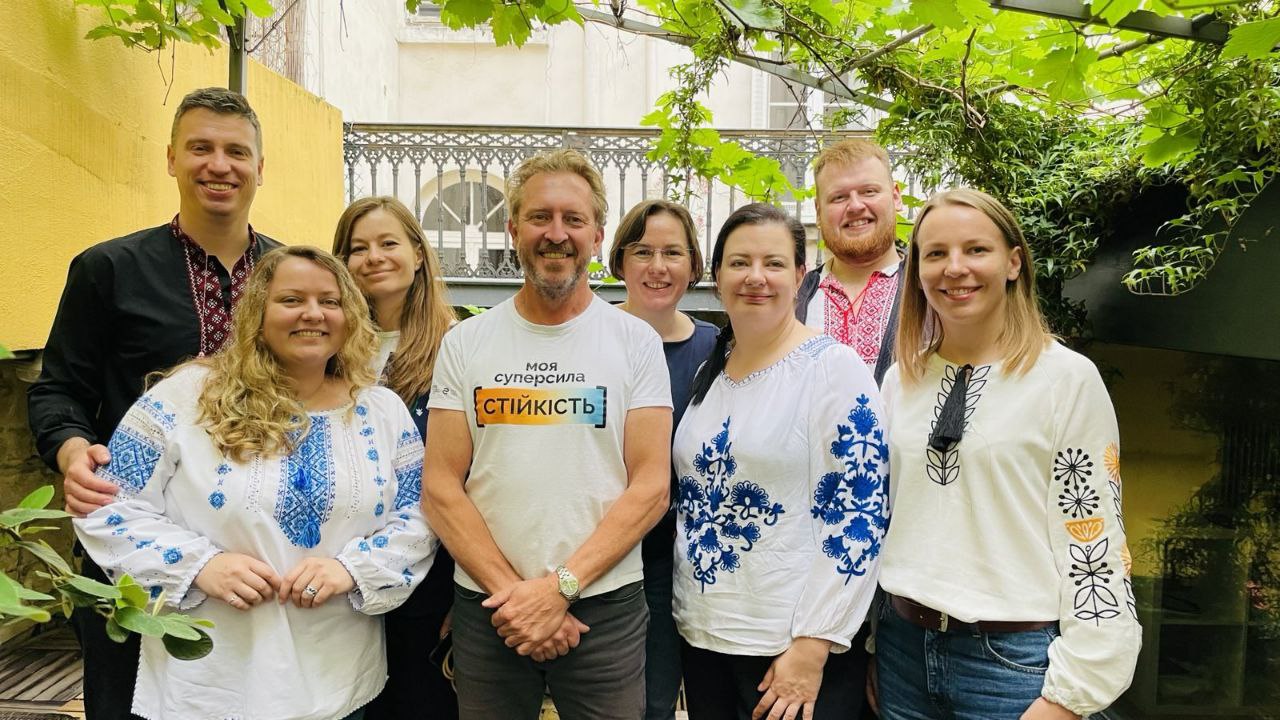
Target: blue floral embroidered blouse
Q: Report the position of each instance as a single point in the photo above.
(349, 491)
(781, 504)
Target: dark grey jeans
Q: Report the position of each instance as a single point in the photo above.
(601, 679)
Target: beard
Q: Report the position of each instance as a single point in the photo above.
(864, 249)
(550, 288)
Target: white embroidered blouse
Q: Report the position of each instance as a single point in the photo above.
(1020, 520)
(349, 491)
(781, 504)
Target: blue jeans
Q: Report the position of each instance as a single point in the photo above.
(601, 679)
(958, 675)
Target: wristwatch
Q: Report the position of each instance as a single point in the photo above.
(569, 588)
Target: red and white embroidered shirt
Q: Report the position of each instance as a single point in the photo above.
(859, 321)
(214, 290)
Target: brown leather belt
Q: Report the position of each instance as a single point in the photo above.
(930, 619)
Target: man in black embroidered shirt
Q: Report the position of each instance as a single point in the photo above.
(141, 303)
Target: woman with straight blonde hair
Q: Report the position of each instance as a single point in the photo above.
(388, 255)
(1005, 567)
(273, 470)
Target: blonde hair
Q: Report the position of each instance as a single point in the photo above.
(849, 152)
(427, 313)
(557, 161)
(246, 405)
(920, 333)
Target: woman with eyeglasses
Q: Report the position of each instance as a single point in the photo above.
(1005, 568)
(655, 252)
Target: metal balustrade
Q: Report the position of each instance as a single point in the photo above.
(452, 177)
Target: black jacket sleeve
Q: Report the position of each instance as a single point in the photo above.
(64, 400)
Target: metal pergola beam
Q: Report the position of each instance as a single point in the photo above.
(1202, 28)
(781, 70)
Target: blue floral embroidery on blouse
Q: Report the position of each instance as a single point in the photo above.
(712, 513)
(133, 459)
(217, 499)
(156, 411)
(380, 541)
(305, 499)
(155, 591)
(364, 546)
(114, 519)
(852, 503)
(172, 556)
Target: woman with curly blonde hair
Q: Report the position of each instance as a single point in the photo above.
(274, 470)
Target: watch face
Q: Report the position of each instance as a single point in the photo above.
(569, 585)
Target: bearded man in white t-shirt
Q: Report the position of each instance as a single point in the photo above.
(547, 462)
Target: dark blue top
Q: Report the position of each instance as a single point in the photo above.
(683, 359)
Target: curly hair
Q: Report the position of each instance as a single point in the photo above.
(246, 405)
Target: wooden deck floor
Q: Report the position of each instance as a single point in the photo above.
(40, 677)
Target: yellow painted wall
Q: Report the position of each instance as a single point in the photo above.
(83, 130)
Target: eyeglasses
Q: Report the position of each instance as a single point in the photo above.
(645, 254)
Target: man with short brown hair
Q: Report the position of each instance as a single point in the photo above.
(138, 304)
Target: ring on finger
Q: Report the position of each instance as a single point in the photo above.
(309, 591)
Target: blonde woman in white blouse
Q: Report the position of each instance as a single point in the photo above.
(782, 466)
(273, 490)
(1006, 568)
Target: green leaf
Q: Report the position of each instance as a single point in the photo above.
(1170, 148)
(41, 549)
(942, 13)
(12, 591)
(458, 14)
(1113, 11)
(1062, 72)
(131, 618)
(189, 649)
(754, 14)
(132, 594)
(16, 516)
(115, 632)
(175, 627)
(25, 611)
(93, 587)
(149, 12)
(1253, 40)
(214, 11)
(261, 8)
(5, 354)
(39, 498)
(509, 26)
(8, 590)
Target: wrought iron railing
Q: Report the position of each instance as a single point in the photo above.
(452, 177)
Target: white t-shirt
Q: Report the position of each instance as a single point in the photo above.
(547, 405)
(1020, 520)
(388, 340)
(782, 504)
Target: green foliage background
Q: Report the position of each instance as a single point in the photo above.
(1067, 122)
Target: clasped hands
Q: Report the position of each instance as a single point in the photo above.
(242, 581)
(533, 618)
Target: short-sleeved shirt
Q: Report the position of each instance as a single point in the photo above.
(546, 406)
